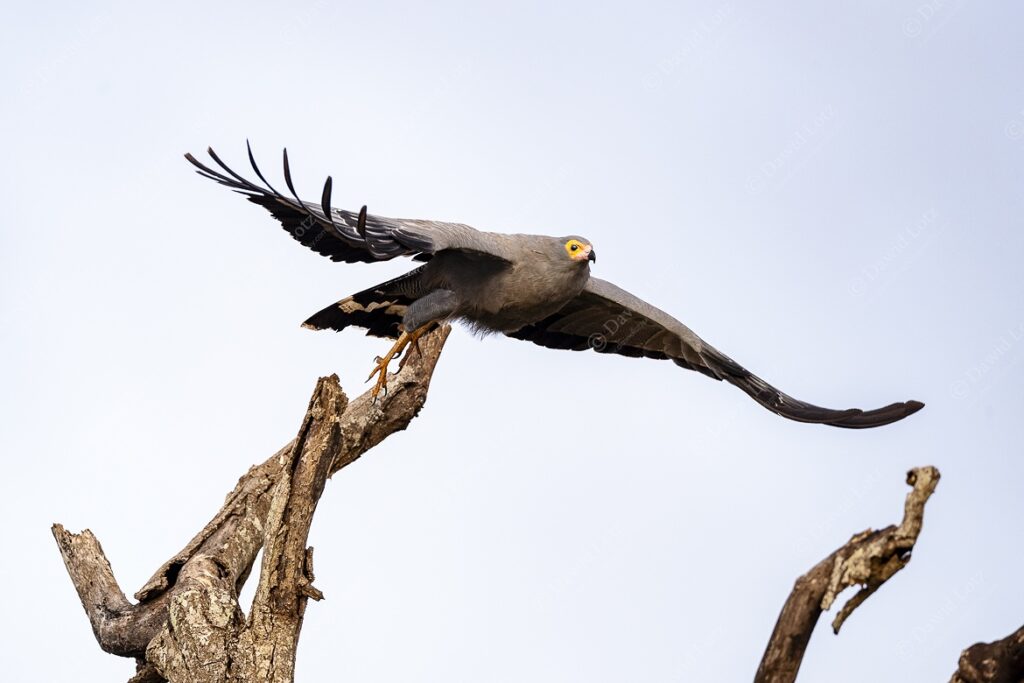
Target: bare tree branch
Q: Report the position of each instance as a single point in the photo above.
(1001, 661)
(868, 559)
(187, 625)
(116, 623)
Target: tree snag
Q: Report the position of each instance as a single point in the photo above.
(868, 559)
(187, 625)
(999, 662)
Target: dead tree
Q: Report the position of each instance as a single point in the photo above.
(869, 559)
(998, 662)
(187, 626)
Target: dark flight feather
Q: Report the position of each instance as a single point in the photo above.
(608, 319)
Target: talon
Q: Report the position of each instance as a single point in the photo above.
(381, 370)
(398, 350)
(381, 366)
(381, 385)
(403, 360)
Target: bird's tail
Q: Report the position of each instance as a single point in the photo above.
(794, 409)
(378, 310)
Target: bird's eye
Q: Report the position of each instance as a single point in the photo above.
(573, 249)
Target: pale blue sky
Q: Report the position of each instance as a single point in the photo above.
(829, 193)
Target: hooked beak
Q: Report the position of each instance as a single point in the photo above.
(592, 255)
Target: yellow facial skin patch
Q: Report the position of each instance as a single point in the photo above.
(575, 249)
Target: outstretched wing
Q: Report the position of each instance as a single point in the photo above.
(344, 235)
(608, 319)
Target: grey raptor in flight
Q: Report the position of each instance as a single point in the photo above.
(531, 287)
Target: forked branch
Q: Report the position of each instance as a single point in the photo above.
(187, 625)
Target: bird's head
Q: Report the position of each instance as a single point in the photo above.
(579, 249)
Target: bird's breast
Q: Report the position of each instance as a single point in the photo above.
(527, 293)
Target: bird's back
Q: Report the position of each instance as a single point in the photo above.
(504, 296)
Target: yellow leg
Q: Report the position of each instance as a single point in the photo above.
(414, 339)
(381, 366)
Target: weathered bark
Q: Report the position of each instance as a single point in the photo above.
(868, 559)
(1001, 661)
(187, 625)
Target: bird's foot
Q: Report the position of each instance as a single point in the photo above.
(380, 367)
(414, 340)
(400, 348)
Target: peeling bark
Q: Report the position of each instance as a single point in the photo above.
(868, 559)
(187, 624)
